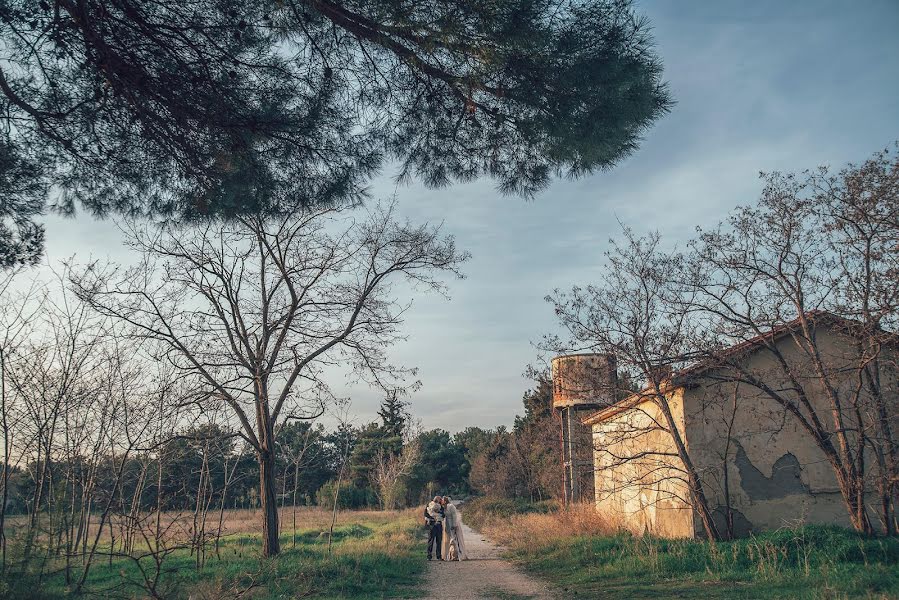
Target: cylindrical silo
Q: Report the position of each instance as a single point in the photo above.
(582, 383)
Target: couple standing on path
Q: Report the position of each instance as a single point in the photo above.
(444, 525)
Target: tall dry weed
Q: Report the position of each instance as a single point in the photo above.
(532, 531)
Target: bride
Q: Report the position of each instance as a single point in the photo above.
(453, 538)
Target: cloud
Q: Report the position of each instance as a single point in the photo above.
(759, 86)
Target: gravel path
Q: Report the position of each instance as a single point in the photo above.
(483, 576)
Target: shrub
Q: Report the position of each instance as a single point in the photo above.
(482, 512)
(351, 497)
(531, 526)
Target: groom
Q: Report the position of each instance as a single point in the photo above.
(434, 515)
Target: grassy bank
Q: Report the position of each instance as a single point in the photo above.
(578, 552)
(375, 555)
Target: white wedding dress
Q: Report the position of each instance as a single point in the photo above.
(453, 536)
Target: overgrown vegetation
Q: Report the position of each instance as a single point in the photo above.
(577, 550)
(482, 512)
(374, 555)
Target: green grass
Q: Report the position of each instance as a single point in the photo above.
(378, 559)
(812, 562)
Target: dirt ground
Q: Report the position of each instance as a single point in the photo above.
(483, 576)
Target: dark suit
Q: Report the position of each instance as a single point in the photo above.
(435, 535)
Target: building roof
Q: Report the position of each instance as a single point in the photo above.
(680, 378)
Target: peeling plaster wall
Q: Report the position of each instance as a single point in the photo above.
(645, 493)
(775, 472)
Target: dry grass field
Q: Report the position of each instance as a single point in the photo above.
(534, 530)
(308, 518)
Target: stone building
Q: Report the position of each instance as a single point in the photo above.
(760, 468)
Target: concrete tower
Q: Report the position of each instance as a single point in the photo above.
(582, 383)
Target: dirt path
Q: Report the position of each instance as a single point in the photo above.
(483, 576)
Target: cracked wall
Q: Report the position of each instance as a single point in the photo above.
(758, 465)
(774, 472)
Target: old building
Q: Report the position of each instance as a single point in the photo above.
(760, 466)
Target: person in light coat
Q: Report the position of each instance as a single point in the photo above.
(453, 535)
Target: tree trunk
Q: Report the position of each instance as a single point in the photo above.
(700, 502)
(270, 543)
(4, 480)
(851, 489)
(296, 480)
(857, 510)
(887, 450)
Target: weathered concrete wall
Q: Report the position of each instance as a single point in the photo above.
(750, 454)
(749, 450)
(639, 486)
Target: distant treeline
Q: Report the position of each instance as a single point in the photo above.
(210, 464)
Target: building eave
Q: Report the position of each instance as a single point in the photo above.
(632, 401)
(688, 376)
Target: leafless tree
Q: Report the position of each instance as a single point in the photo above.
(637, 311)
(859, 208)
(818, 250)
(341, 411)
(295, 449)
(18, 313)
(391, 468)
(74, 411)
(256, 308)
(128, 414)
(55, 371)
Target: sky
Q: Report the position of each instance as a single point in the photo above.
(759, 86)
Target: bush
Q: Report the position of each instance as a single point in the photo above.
(351, 497)
(480, 512)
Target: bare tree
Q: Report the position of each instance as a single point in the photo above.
(127, 416)
(18, 313)
(637, 311)
(256, 308)
(391, 468)
(74, 411)
(341, 412)
(55, 373)
(295, 449)
(816, 255)
(859, 208)
(155, 534)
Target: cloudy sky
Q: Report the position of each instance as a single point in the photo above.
(760, 86)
